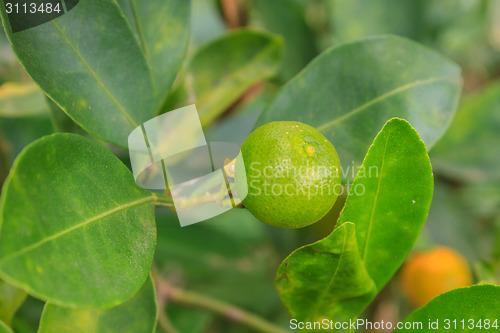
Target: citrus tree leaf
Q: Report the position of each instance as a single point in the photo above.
(370, 81)
(162, 29)
(326, 279)
(76, 230)
(469, 150)
(221, 71)
(4, 328)
(19, 100)
(97, 75)
(136, 315)
(11, 298)
(390, 199)
(478, 302)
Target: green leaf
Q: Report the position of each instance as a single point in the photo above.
(469, 150)
(162, 29)
(76, 230)
(326, 279)
(368, 82)
(19, 100)
(11, 298)
(299, 40)
(4, 328)
(390, 199)
(477, 303)
(136, 315)
(98, 76)
(221, 71)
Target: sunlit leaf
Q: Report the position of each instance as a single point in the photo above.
(76, 230)
(390, 199)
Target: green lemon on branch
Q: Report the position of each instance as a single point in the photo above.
(292, 174)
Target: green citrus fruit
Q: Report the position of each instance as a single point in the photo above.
(292, 173)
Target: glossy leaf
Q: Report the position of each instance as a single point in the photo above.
(4, 328)
(19, 100)
(299, 40)
(350, 91)
(326, 279)
(11, 298)
(478, 302)
(98, 76)
(220, 72)
(76, 230)
(469, 150)
(136, 315)
(390, 199)
(162, 29)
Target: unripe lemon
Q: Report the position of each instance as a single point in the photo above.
(429, 274)
(292, 174)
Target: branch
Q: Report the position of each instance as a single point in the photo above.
(175, 295)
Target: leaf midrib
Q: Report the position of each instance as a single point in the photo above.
(323, 295)
(75, 227)
(375, 201)
(381, 98)
(121, 108)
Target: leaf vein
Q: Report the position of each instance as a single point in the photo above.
(334, 274)
(75, 227)
(372, 213)
(96, 77)
(382, 98)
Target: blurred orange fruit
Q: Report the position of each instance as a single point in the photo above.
(429, 274)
